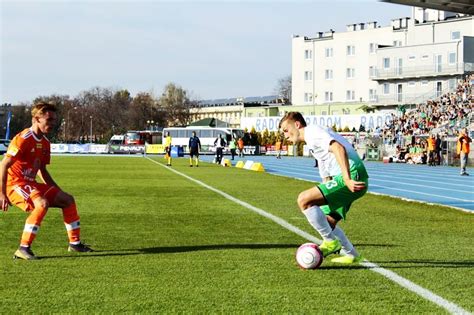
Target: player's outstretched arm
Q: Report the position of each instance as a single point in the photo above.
(4, 166)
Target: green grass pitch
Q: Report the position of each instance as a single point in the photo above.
(167, 245)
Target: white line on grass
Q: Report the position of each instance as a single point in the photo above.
(425, 293)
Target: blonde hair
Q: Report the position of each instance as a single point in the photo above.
(293, 116)
(42, 107)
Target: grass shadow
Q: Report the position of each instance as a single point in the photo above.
(169, 249)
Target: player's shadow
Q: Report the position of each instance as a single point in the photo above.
(184, 249)
(171, 249)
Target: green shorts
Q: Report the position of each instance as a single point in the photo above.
(338, 197)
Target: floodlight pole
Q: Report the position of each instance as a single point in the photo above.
(90, 140)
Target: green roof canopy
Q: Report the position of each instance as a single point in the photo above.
(209, 122)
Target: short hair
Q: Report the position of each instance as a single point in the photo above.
(293, 116)
(40, 108)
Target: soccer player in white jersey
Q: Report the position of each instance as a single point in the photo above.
(345, 179)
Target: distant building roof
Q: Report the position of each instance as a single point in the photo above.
(460, 6)
(261, 100)
(209, 122)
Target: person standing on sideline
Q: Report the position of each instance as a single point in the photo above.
(194, 148)
(240, 145)
(345, 180)
(463, 147)
(232, 148)
(431, 141)
(27, 157)
(278, 148)
(219, 143)
(168, 141)
(438, 149)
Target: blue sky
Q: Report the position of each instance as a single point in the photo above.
(213, 49)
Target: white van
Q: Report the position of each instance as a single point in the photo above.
(117, 139)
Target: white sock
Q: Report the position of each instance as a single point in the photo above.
(347, 247)
(318, 220)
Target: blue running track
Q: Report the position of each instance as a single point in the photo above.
(439, 184)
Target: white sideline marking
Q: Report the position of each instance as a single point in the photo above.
(411, 286)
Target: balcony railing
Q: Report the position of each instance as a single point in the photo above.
(409, 98)
(423, 71)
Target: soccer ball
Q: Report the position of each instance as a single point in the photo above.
(309, 256)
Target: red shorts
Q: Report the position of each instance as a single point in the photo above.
(22, 195)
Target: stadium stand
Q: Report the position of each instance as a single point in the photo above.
(444, 116)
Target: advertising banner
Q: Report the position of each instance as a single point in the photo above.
(59, 148)
(78, 148)
(155, 149)
(70, 148)
(98, 148)
(127, 149)
(369, 121)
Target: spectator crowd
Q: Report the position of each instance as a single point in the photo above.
(419, 134)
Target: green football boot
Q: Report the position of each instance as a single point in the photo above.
(330, 247)
(347, 259)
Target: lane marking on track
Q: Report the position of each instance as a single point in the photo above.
(405, 283)
(315, 177)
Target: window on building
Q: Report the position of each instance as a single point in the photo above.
(308, 75)
(452, 58)
(455, 35)
(371, 71)
(386, 88)
(424, 57)
(328, 52)
(424, 82)
(372, 48)
(308, 97)
(386, 63)
(308, 54)
(350, 50)
(328, 74)
(452, 84)
(397, 43)
(372, 95)
(350, 95)
(328, 96)
(411, 84)
(411, 57)
(350, 73)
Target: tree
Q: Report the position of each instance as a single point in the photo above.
(141, 110)
(265, 137)
(283, 89)
(176, 105)
(21, 118)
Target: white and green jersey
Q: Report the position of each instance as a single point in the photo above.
(319, 139)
